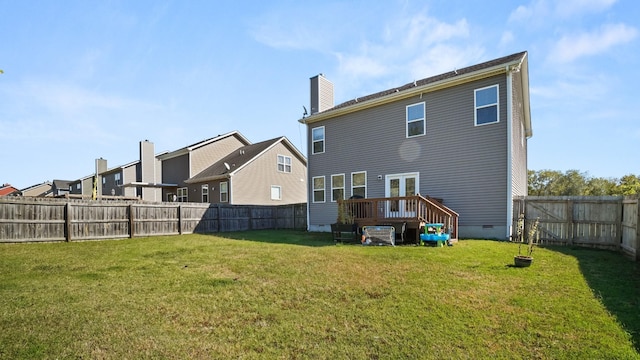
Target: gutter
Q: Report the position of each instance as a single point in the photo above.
(442, 84)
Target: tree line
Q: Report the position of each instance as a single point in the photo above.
(576, 183)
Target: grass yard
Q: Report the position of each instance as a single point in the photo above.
(296, 295)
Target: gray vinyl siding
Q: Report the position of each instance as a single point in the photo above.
(204, 156)
(519, 143)
(252, 184)
(464, 164)
(175, 171)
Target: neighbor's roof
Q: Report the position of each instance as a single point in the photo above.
(517, 61)
(187, 149)
(7, 189)
(240, 158)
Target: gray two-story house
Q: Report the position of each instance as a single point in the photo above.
(459, 137)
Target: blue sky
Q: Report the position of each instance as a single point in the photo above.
(89, 79)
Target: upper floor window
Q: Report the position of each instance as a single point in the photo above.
(317, 135)
(318, 189)
(284, 163)
(416, 124)
(359, 184)
(183, 194)
(205, 193)
(224, 192)
(486, 105)
(337, 187)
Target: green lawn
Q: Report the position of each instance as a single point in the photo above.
(296, 295)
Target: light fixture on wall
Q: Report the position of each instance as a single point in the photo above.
(379, 177)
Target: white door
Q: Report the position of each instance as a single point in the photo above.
(399, 185)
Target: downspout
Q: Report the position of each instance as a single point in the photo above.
(230, 189)
(509, 153)
(309, 183)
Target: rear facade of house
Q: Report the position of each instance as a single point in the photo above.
(460, 137)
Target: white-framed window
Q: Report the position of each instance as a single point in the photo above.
(487, 105)
(183, 194)
(337, 187)
(317, 135)
(416, 120)
(117, 178)
(205, 193)
(224, 191)
(104, 180)
(284, 163)
(359, 184)
(318, 189)
(78, 186)
(276, 192)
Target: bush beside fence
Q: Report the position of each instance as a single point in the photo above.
(36, 219)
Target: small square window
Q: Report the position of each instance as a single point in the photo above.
(276, 192)
(284, 163)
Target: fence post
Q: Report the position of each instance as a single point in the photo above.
(570, 223)
(131, 222)
(637, 229)
(180, 219)
(67, 221)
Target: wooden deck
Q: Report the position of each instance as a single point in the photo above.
(414, 211)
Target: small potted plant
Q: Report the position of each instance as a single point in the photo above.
(525, 250)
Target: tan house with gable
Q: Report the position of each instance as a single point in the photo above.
(271, 172)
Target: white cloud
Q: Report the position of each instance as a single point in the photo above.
(360, 65)
(539, 11)
(410, 48)
(572, 47)
(507, 38)
(443, 58)
(567, 8)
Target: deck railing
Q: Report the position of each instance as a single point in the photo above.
(416, 208)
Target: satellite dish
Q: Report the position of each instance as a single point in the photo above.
(227, 166)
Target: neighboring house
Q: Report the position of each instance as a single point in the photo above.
(8, 190)
(224, 169)
(460, 137)
(266, 173)
(82, 187)
(38, 190)
(137, 179)
(60, 188)
(182, 164)
(141, 179)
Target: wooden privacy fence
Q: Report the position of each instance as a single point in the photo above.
(607, 222)
(33, 220)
